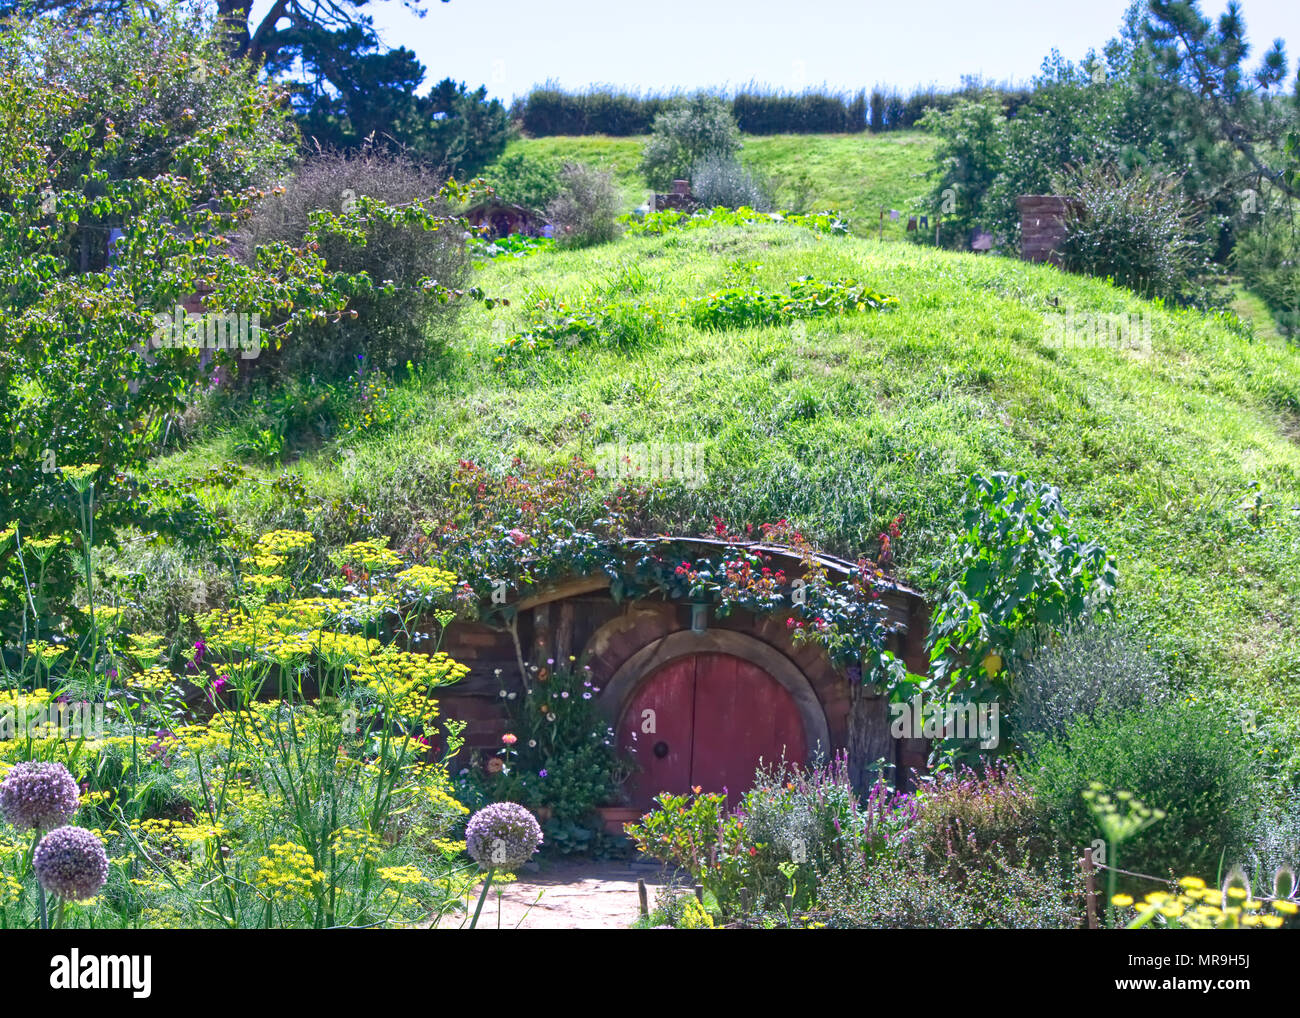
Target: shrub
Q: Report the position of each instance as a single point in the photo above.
(1184, 758)
(525, 179)
(584, 212)
(897, 892)
(962, 817)
(386, 333)
(1094, 665)
(1137, 229)
(794, 824)
(685, 134)
(721, 181)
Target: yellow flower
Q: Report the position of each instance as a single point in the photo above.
(1285, 907)
(1121, 901)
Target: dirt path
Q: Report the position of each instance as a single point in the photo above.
(568, 896)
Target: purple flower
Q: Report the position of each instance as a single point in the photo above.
(39, 796)
(542, 773)
(503, 835)
(71, 862)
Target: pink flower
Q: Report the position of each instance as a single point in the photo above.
(519, 537)
(509, 739)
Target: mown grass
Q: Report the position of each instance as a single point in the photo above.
(857, 174)
(854, 419)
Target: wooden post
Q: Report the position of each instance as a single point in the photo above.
(641, 893)
(882, 224)
(699, 893)
(1090, 888)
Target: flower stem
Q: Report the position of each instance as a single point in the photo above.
(482, 897)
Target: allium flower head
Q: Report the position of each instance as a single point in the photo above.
(39, 796)
(71, 862)
(503, 835)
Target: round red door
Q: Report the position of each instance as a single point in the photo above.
(705, 721)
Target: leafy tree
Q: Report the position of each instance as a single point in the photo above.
(687, 133)
(969, 155)
(88, 375)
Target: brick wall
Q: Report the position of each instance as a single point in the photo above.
(1042, 226)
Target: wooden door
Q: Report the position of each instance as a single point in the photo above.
(714, 717)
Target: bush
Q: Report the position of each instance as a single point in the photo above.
(385, 333)
(898, 893)
(584, 212)
(687, 133)
(963, 817)
(721, 181)
(1185, 758)
(525, 179)
(1137, 229)
(1094, 665)
(793, 825)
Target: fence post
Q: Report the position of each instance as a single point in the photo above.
(641, 893)
(1090, 888)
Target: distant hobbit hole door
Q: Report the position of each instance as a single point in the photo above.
(707, 718)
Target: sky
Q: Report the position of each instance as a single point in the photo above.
(510, 45)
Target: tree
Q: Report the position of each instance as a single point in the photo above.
(685, 134)
(277, 38)
(1201, 67)
(92, 357)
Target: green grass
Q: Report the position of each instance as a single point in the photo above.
(873, 414)
(858, 174)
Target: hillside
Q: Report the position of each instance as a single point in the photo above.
(856, 418)
(858, 174)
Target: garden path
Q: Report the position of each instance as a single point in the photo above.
(568, 896)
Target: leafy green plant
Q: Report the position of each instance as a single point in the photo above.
(1190, 758)
(741, 307)
(1021, 574)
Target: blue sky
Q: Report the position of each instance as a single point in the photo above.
(509, 45)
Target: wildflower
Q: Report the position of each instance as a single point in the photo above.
(542, 773)
(71, 862)
(39, 796)
(509, 739)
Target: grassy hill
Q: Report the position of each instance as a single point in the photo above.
(858, 174)
(856, 418)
